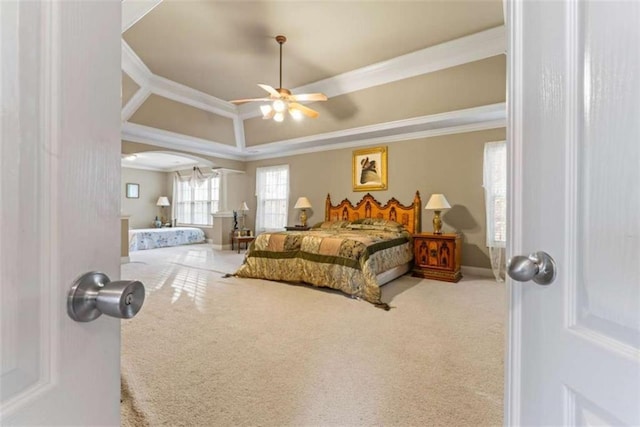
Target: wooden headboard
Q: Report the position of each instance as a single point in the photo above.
(410, 216)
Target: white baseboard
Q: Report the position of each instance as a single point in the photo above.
(220, 247)
(476, 271)
(124, 259)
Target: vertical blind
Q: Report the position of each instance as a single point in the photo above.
(272, 193)
(194, 202)
(495, 188)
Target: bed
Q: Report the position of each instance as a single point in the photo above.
(151, 238)
(357, 249)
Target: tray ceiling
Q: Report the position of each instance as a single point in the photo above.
(214, 51)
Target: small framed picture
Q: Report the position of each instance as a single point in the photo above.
(133, 191)
(370, 169)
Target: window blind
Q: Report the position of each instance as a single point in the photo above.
(272, 194)
(495, 188)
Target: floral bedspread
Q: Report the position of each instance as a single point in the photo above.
(339, 258)
(151, 238)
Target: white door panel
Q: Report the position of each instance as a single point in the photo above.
(59, 208)
(574, 346)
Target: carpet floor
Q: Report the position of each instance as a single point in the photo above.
(212, 351)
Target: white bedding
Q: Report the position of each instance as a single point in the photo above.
(151, 238)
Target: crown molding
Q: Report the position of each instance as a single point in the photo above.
(143, 168)
(134, 103)
(403, 136)
(465, 120)
(238, 129)
(166, 139)
(474, 47)
(134, 67)
(133, 11)
(193, 97)
(473, 119)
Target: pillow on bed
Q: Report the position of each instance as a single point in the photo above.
(375, 224)
(332, 225)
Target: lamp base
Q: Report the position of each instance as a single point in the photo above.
(303, 218)
(437, 223)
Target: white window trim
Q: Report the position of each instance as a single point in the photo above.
(213, 199)
(260, 199)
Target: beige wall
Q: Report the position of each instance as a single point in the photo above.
(450, 164)
(143, 210)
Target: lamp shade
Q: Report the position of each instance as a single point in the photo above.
(244, 207)
(163, 201)
(302, 203)
(437, 202)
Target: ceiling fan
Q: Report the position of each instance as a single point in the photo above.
(283, 100)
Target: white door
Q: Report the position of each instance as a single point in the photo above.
(59, 208)
(574, 113)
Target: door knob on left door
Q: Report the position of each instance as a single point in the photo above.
(94, 294)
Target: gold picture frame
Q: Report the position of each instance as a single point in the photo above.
(370, 169)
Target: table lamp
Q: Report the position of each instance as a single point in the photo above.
(243, 208)
(304, 204)
(437, 203)
(162, 202)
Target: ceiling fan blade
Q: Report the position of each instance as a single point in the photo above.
(305, 110)
(309, 97)
(269, 89)
(242, 101)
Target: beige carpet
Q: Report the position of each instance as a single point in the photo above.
(213, 351)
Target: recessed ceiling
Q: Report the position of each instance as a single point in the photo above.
(198, 55)
(159, 161)
(224, 48)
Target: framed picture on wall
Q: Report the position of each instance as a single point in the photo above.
(133, 190)
(370, 169)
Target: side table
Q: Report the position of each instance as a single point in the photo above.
(241, 239)
(437, 256)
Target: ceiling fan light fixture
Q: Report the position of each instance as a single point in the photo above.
(295, 113)
(266, 109)
(278, 117)
(279, 106)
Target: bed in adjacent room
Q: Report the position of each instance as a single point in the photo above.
(357, 249)
(152, 238)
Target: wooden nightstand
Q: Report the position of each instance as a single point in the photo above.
(236, 240)
(437, 256)
(296, 228)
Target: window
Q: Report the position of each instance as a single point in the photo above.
(272, 192)
(194, 203)
(495, 189)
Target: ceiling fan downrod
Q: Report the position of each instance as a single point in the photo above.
(280, 39)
